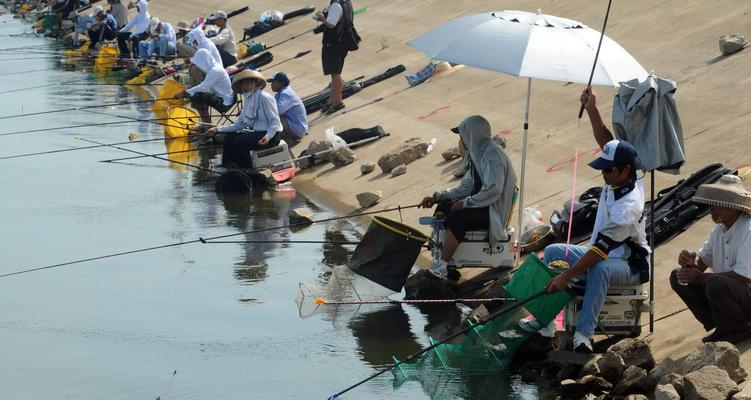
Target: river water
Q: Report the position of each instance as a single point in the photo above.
(194, 321)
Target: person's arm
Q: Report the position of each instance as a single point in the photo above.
(211, 79)
(335, 14)
(600, 131)
(459, 192)
(488, 194)
(222, 38)
(268, 107)
(284, 102)
(129, 25)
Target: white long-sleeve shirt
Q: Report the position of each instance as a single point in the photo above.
(226, 40)
(216, 82)
(140, 22)
(259, 113)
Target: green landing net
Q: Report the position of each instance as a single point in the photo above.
(489, 347)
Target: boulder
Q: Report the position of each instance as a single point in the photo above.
(567, 371)
(709, 383)
(561, 358)
(407, 152)
(666, 392)
(367, 168)
(314, 150)
(633, 381)
(674, 380)
(300, 216)
(318, 146)
(591, 367)
(611, 367)
(342, 156)
(422, 285)
(636, 397)
(587, 385)
(369, 199)
(451, 154)
(400, 170)
(745, 393)
(730, 44)
(721, 354)
(634, 352)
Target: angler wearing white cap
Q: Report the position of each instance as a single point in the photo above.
(103, 28)
(135, 30)
(162, 40)
(224, 38)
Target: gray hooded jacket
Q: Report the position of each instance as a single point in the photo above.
(497, 175)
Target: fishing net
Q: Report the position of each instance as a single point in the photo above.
(106, 59)
(170, 88)
(140, 79)
(489, 348)
(72, 56)
(181, 120)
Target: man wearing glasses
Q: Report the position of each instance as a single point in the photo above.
(618, 251)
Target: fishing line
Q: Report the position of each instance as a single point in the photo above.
(152, 156)
(122, 103)
(164, 246)
(117, 160)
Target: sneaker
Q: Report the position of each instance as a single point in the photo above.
(534, 326)
(715, 336)
(452, 273)
(439, 269)
(582, 343)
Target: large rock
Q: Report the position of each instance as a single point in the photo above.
(561, 358)
(314, 154)
(666, 392)
(676, 381)
(745, 393)
(634, 352)
(318, 146)
(730, 44)
(709, 383)
(300, 216)
(721, 354)
(591, 367)
(633, 381)
(369, 199)
(422, 285)
(407, 152)
(342, 156)
(636, 397)
(451, 154)
(367, 168)
(589, 384)
(400, 170)
(611, 366)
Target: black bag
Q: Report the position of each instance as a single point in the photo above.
(350, 39)
(585, 212)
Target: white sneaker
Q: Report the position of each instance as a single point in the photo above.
(533, 325)
(439, 268)
(582, 343)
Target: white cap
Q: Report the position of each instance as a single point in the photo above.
(153, 24)
(98, 9)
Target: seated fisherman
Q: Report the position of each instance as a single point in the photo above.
(214, 91)
(720, 299)
(258, 125)
(291, 109)
(618, 251)
(484, 197)
(104, 28)
(135, 30)
(224, 39)
(62, 10)
(194, 40)
(162, 40)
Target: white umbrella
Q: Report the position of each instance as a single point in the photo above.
(530, 45)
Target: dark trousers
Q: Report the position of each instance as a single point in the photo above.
(96, 34)
(237, 147)
(123, 37)
(227, 59)
(464, 219)
(721, 302)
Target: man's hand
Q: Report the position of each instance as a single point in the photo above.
(319, 16)
(457, 205)
(557, 284)
(589, 99)
(687, 259)
(263, 141)
(427, 202)
(690, 275)
(211, 131)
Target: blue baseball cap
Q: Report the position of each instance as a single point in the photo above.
(279, 76)
(615, 152)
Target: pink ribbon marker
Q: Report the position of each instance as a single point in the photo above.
(571, 211)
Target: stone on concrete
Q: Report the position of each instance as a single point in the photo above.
(666, 392)
(676, 381)
(721, 354)
(300, 216)
(634, 352)
(342, 156)
(400, 170)
(633, 381)
(451, 154)
(369, 199)
(591, 367)
(367, 168)
(407, 152)
(636, 397)
(745, 392)
(730, 44)
(611, 366)
(709, 383)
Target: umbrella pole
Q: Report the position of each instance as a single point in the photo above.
(652, 255)
(524, 166)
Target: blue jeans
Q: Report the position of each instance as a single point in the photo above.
(162, 46)
(613, 271)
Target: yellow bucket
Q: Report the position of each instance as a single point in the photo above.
(106, 59)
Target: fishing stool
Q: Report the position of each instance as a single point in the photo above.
(474, 250)
(619, 316)
(277, 157)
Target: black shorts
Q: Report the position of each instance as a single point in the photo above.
(332, 58)
(202, 101)
(467, 219)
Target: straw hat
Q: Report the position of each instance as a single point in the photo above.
(248, 74)
(728, 192)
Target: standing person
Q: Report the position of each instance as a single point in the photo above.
(119, 11)
(214, 91)
(224, 38)
(62, 10)
(618, 253)
(720, 299)
(105, 27)
(339, 37)
(482, 200)
(258, 125)
(291, 109)
(162, 40)
(135, 30)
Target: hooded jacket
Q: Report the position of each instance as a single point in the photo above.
(202, 42)
(495, 171)
(140, 22)
(216, 82)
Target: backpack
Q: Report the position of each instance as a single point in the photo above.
(585, 212)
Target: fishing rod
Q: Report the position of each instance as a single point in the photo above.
(355, 12)
(204, 241)
(444, 340)
(324, 302)
(28, 72)
(164, 246)
(597, 54)
(121, 103)
(324, 117)
(153, 156)
(115, 160)
(298, 55)
(63, 83)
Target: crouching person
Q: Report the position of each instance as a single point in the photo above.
(720, 299)
(483, 199)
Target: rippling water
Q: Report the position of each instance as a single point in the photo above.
(195, 321)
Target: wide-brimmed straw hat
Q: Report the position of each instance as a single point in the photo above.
(248, 74)
(728, 192)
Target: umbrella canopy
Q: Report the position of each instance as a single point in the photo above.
(530, 45)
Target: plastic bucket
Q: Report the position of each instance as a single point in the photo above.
(387, 252)
(532, 277)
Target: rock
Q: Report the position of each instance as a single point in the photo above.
(721, 354)
(423, 286)
(535, 348)
(634, 352)
(300, 216)
(530, 376)
(596, 384)
(367, 168)
(400, 170)
(571, 389)
(674, 380)
(369, 199)
(568, 371)
(611, 367)
(587, 385)
(342, 156)
(745, 393)
(132, 136)
(666, 392)
(636, 397)
(633, 381)
(318, 146)
(451, 154)
(709, 383)
(407, 152)
(562, 358)
(591, 367)
(314, 150)
(564, 339)
(730, 44)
